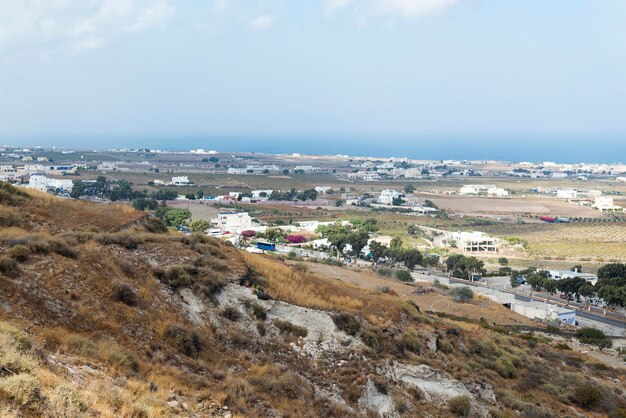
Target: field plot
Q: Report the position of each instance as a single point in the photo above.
(511, 206)
(600, 241)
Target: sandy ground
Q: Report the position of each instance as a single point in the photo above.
(510, 206)
(427, 302)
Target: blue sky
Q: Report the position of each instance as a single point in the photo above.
(71, 70)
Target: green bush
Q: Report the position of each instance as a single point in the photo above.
(383, 271)
(257, 311)
(593, 336)
(586, 395)
(505, 368)
(460, 406)
(404, 276)
(461, 294)
(347, 323)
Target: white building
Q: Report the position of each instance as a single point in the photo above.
(567, 274)
(387, 196)
(236, 222)
(180, 181)
(605, 204)
(307, 168)
(621, 179)
(45, 184)
(488, 189)
(475, 242)
(323, 189)
(545, 312)
(261, 194)
(371, 176)
(237, 170)
(567, 194)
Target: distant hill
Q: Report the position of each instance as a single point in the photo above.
(103, 312)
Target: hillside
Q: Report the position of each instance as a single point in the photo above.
(103, 312)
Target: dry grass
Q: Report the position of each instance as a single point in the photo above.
(300, 288)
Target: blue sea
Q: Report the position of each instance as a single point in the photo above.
(562, 150)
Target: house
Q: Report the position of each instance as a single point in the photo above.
(307, 169)
(45, 184)
(605, 204)
(261, 194)
(475, 242)
(371, 176)
(567, 194)
(237, 170)
(232, 221)
(323, 189)
(545, 312)
(180, 181)
(488, 189)
(387, 196)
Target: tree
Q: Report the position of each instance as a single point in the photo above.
(175, 217)
(200, 225)
(411, 258)
(358, 241)
(570, 287)
(296, 239)
(514, 283)
(273, 234)
(404, 276)
(377, 251)
(503, 261)
(409, 188)
(398, 201)
(214, 159)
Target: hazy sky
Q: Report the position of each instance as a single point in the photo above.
(379, 68)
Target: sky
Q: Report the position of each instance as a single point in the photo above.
(370, 72)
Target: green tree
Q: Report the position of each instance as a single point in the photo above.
(411, 258)
(175, 217)
(200, 225)
(514, 282)
(503, 261)
(377, 251)
(409, 188)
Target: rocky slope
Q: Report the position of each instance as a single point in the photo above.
(105, 313)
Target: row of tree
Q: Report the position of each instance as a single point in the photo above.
(611, 284)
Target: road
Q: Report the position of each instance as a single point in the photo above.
(579, 312)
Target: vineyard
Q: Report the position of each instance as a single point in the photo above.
(604, 241)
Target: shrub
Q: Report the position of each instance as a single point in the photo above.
(385, 272)
(593, 336)
(155, 226)
(22, 388)
(8, 266)
(123, 239)
(231, 313)
(586, 395)
(10, 195)
(174, 277)
(183, 340)
(505, 368)
(411, 341)
(347, 323)
(296, 239)
(460, 406)
(19, 252)
(258, 311)
(10, 217)
(286, 327)
(404, 276)
(124, 293)
(61, 248)
(461, 294)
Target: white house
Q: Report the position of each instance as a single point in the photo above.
(45, 184)
(489, 189)
(545, 312)
(371, 176)
(261, 194)
(307, 168)
(568, 274)
(475, 242)
(621, 179)
(323, 189)
(605, 204)
(567, 194)
(180, 181)
(387, 196)
(232, 221)
(237, 170)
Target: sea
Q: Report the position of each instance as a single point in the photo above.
(515, 149)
